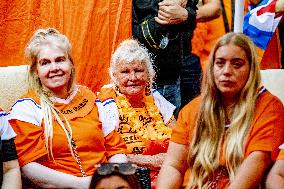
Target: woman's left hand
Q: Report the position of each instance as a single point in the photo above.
(152, 161)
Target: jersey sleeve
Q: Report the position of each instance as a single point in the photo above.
(182, 130)
(267, 131)
(26, 119)
(114, 144)
(6, 131)
(29, 142)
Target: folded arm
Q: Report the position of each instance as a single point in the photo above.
(11, 168)
(275, 178)
(173, 167)
(154, 161)
(151, 21)
(171, 13)
(251, 171)
(48, 178)
(12, 175)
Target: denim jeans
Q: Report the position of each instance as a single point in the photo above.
(190, 81)
(171, 92)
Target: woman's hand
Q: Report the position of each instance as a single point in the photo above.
(152, 161)
(251, 171)
(180, 2)
(183, 3)
(275, 178)
(174, 167)
(171, 13)
(177, 2)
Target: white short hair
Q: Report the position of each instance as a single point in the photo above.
(131, 50)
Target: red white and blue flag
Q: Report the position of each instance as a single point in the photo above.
(261, 22)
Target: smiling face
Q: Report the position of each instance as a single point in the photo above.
(231, 70)
(131, 78)
(54, 70)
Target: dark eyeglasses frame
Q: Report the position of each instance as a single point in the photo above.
(122, 168)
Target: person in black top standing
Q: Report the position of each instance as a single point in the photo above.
(166, 28)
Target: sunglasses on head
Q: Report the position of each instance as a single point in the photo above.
(123, 168)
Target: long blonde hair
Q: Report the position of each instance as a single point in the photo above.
(51, 37)
(209, 135)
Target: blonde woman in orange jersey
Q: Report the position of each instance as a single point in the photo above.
(59, 135)
(229, 136)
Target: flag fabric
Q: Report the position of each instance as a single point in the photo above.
(261, 22)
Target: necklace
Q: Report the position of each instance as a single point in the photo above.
(154, 130)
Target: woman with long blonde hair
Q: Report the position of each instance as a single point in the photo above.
(59, 135)
(227, 137)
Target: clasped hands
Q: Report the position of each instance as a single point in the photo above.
(172, 12)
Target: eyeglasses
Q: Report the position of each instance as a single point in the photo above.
(123, 168)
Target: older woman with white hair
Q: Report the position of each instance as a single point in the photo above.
(141, 115)
(59, 135)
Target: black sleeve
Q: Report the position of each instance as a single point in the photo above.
(191, 19)
(9, 150)
(144, 27)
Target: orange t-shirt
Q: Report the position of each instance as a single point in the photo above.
(265, 134)
(26, 118)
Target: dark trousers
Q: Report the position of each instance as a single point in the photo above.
(191, 74)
